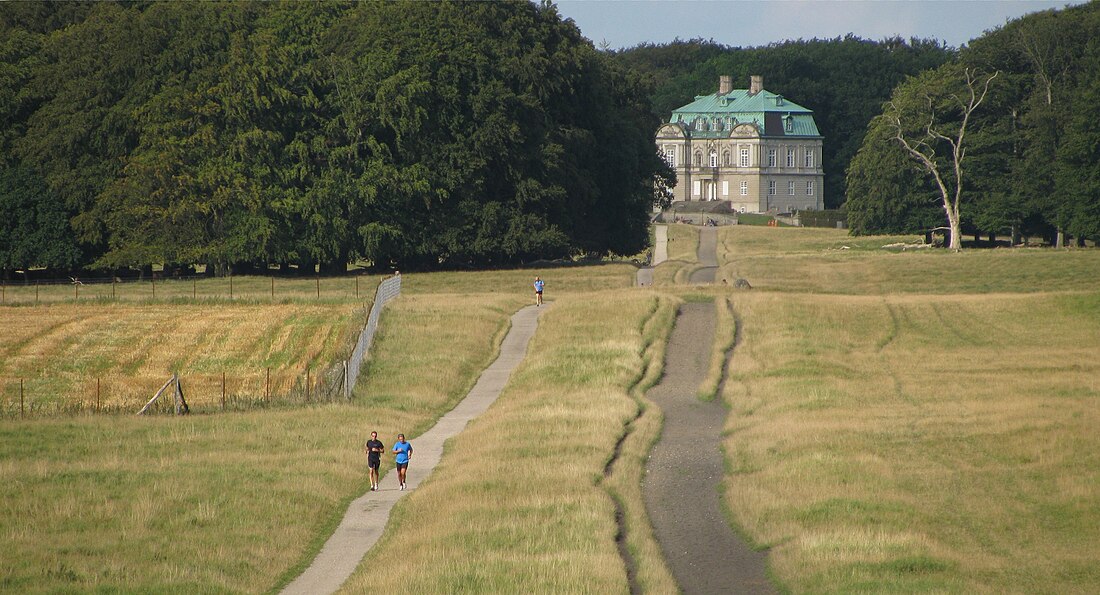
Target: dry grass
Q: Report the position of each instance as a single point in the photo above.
(683, 245)
(515, 505)
(917, 443)
(828, 261)
(61, 351)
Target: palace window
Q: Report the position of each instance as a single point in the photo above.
(809, 159)
(713, 159)
(809, 188)
(670, 157)
(790, 188)
(790, 156)
(698, 159)
(696, 187)
(744, 156)
(725, 188)
(771, 187)
(744, 188)
(771, 157)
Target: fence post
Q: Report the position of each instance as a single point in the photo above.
(154, 280)
(307, 384)
(36, 293)
(231, 286)
(22, 411)
(194, 289)
(76, 291)
(267, 387)
(4, 291)
(273, 289)
(357, 287)
(347, 389)
(97, 399)
(318, 287)
(223, 391)
(114, 281)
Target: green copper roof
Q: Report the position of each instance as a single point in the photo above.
(715, 115)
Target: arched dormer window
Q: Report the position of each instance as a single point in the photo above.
(788, 123)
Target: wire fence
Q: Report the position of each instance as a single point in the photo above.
(246, 287)
(204, 392)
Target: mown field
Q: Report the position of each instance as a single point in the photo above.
(900, 422)
(935, 433)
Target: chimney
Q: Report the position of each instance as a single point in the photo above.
(725, 84)
(756, 84)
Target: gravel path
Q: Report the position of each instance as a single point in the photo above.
(366, 516)
(685, 469)
(708, 256)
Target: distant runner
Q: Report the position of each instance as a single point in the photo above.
(404, 451)
(374, 458)
(539, 284)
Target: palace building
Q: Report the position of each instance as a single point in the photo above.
(749, 147)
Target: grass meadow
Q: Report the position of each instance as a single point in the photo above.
(917, 421)
(516, 504)
(926, 436)
(683, 257)
(240, 501)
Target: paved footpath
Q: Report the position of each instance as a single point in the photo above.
(660, 254)
(366, 516)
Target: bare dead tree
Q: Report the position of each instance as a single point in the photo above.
(922, 146)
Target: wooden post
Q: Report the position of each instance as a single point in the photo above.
(267, 387)
(357, 287)
(194, 289)
(307, 384)
(318, 287)
(114, 282)
(97, 393)
(36, 293)
(151, 401)
(223, 391)
(154, 280)
(4, 291)
(347, 389)
(273, 289)
(76, 291)
(22, 412)
(231, 286)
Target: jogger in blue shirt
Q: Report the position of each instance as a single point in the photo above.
(403, 450)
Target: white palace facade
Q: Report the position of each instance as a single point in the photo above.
(749, 147)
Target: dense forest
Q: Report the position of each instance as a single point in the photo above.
(251, 134)
(1030, 159)
(245, 135)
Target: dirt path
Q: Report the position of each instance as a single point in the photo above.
(684, 472)
(366, 517)
(708, 256)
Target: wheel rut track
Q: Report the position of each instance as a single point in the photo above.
(686, 468)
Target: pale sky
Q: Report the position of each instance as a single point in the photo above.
(745, 23)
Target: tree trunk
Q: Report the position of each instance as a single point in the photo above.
(1016, 234)
(1060, 238)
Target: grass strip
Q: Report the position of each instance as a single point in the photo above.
(515, 505)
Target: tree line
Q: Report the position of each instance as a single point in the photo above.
(311, 135)
(1029, 161)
